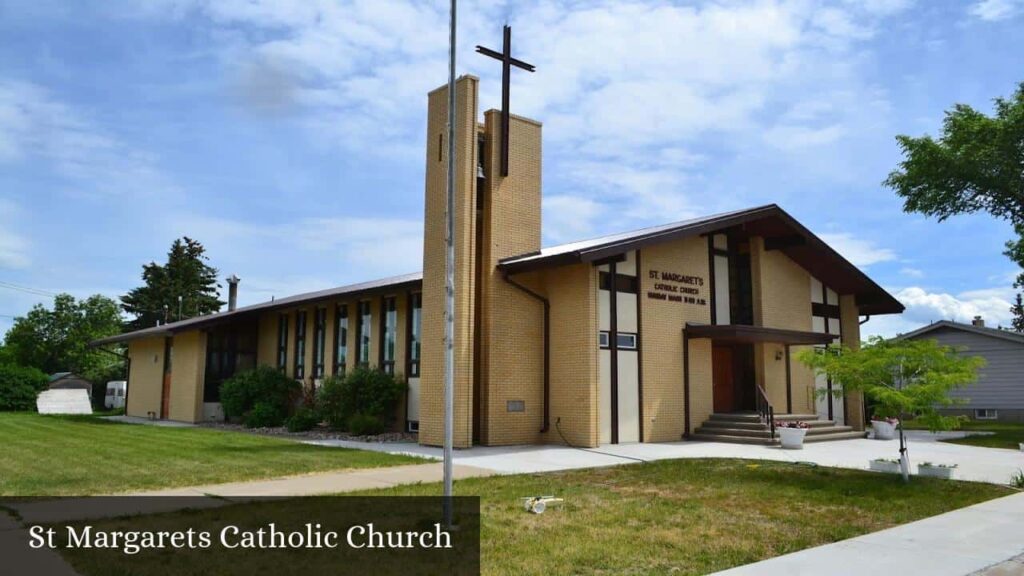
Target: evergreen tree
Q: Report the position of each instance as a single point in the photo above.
(184, 287)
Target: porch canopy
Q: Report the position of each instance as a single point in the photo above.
(750, 334)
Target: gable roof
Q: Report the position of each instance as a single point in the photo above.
(769, 221)
(1015, 337)
(213, 319)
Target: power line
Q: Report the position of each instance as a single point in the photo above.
(26, 289)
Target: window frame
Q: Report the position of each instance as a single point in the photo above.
(319, 341)
(282, 342)
(414, 350)
(299, 362)
(340, 339)
(364, 322)
(388, 327)
(990, 414)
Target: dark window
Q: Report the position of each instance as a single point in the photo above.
(741, 287)
(319, 342)
(623, 340)
(228, 351)
(340, 340)
(300, 344)
(363, 332)
(623, 283)
(282, 341)
(602, 339)
(415, 329)
(388, 335)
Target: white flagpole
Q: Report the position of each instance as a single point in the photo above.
(449, 302)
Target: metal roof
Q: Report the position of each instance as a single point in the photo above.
(211, 319)
(983, 330)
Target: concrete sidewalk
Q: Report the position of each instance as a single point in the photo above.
(982, 539)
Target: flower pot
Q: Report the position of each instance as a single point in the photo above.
(792, 438)
(936, 471)
(883, 430)
(885, 466)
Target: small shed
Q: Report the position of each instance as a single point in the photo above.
(69, 381)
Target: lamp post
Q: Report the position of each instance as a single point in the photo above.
(449, 280)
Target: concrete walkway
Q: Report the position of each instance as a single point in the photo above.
(992, 465)
(982, 539)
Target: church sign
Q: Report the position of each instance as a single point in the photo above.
(676, 287)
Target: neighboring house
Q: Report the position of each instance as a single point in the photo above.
(675, 331)
(69, 381)
(999, 392)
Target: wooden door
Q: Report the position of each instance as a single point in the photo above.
(722, 379)
(165, 397)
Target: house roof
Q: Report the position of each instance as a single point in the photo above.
(213, 319)
(780, 230)
(984, 331)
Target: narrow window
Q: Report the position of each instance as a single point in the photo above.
(415, 328)
(282, 342)
(319, 342)
(363, 333)
(300, 344)
(388, 335)
(340, 340)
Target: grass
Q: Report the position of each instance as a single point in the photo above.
(668, 517)
(65, 456)
(1004, 434)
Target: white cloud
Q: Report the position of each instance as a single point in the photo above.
(994, 10)
(857, 250)
(912, 272)
(34, 124)
(569, 218)
(922, 306)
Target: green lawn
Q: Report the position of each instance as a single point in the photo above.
(1005, 434)
(60, 456)
(669, 517)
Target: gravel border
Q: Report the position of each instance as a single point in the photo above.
(321, 432)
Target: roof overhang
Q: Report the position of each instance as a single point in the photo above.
(740, 333)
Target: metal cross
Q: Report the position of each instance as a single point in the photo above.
(507, 61)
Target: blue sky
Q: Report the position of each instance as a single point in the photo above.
(287, 136)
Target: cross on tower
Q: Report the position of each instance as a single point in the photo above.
(507, 61)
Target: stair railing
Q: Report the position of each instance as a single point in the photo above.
(764, 409)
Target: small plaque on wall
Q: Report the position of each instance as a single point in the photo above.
(516, 405)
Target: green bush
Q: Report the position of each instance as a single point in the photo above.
(304, 419)
(263, 385)
(264, 415)
(367, 392)
(365, 425)
(19, 386)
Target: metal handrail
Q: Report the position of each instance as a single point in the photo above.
(764, 409)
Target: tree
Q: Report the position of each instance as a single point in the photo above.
(57, 339)
(900, 378)
(186, 283)
(977, 165)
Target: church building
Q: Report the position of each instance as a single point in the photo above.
(688, 330)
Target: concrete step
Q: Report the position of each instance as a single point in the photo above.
(789, 417)
(824, 430)
(758, 425)
(733, 439)
(747, 433)
(851, 435)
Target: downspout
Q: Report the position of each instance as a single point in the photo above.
(865, 320)
(547, 346)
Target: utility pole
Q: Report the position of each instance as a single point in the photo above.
(449, 283)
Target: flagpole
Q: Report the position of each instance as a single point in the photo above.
(449, 302)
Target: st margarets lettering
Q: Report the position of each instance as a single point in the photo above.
(676, 287)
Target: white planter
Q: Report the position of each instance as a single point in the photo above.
(883, 430)
(885, 466)
(1022, 446)
(936, 471)
(792, 438)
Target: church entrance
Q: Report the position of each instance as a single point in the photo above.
(733, 377)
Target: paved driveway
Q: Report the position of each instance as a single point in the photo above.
(979, 464)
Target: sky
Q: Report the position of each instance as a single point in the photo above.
(288, 136)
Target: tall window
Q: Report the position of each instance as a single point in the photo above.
(340, 339)
(415, 329)
(282, 342)
(388, 335)
(300, 344)
(319, 342)
(363, 335)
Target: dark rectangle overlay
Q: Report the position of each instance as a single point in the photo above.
(322, 535)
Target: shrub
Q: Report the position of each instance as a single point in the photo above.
(245, 391)
(366, 392)
(19, 386)
(365, 425)
(304, 419)
(264, 415)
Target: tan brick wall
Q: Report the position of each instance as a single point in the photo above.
(266, 339)
(782, 299)
(432, 374)
(510, 323)
(572, 291)
(661, 327)
(849, 322)
(145, 381)
(188, 367)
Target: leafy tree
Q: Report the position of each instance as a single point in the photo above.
(19, 387)
(901, 378)
(974, 166)
(185, 275)
(57, 339)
